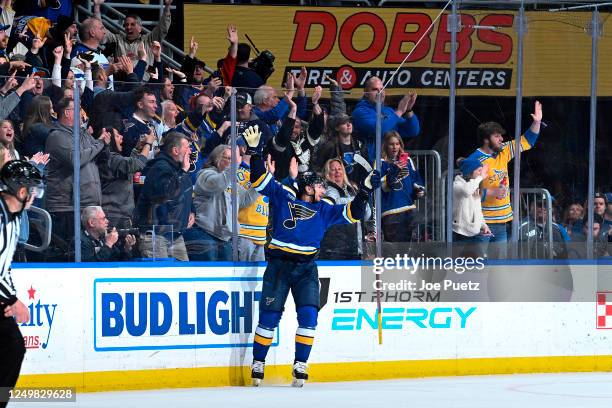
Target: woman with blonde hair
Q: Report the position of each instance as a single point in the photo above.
(402, 185)
(341, 241)
(573, 218)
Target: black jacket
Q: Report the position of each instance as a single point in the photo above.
(116, 175)
(247, 79)
(166, 196)
(110, 107)
(94, 250)
(282, 149)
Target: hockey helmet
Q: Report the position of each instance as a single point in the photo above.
(20, 173)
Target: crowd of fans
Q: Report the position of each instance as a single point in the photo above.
(155, 155)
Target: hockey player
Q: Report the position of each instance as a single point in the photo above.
(20, 184)
(299, 223)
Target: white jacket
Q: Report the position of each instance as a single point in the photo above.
(467, 210)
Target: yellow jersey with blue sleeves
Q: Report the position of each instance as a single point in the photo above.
(254, 218)
(497, 209)
(298, 226)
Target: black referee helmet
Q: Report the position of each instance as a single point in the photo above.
(20, 173)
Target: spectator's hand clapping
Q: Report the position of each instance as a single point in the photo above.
(316, 95)
(130, 241)
(292, 107)
(218, 103)
(191, 220)
(232, 34)
(150, 137)
(40, 158)
(111, 238)
(142, 52)
(300, 80)
(156, 50)
(406, 103)
(290, 85)
(126, 64)
(105, 136)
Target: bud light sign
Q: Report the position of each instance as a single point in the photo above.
(175, 313)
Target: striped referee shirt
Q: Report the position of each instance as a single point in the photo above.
(9, 234)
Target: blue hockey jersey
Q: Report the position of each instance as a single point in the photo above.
(298, 227)
(400, 196)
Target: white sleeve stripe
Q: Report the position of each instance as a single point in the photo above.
(264, 183)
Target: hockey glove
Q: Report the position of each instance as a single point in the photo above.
(251, 136)
(371, 182)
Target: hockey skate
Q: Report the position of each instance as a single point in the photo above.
(300, 374)
(257, 372)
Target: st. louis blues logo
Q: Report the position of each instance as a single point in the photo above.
(399, 184)
(297, 212)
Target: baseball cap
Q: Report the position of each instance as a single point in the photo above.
(5, 27)
(242, 99)
(40, 72)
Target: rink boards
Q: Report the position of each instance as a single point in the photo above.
(166, 325)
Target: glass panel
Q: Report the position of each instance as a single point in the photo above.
(558, 162)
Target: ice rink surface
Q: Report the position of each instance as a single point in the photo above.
(580, 390)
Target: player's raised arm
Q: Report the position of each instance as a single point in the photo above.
(358, 206)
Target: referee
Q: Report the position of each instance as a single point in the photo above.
(20, 184)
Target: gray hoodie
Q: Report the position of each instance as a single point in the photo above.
(58, 197)
(213, 201)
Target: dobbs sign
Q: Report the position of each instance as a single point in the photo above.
(352, 44)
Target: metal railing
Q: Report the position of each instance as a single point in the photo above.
(536, 239)
(42, 225)
(431, 225)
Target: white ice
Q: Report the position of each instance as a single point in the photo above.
(580, 390)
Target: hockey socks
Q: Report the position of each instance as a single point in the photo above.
(304, 337)
(264, 334)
